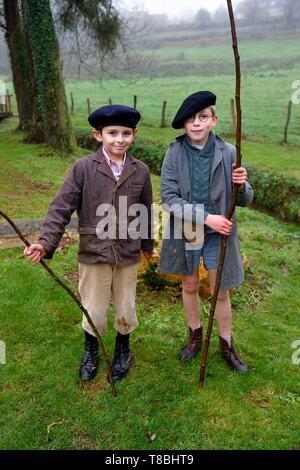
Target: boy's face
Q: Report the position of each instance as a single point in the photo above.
(116, 139)
(197, 130)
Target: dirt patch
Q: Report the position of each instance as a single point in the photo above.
(72, 277)
(13, 242)
(69, 238)
(24, 183)
(96, 387)
(13, 196)
(38, 186)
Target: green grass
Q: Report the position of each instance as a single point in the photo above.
(31, 174)
(269, 69)
(268, 49)
(41, 327)
(264, 101)
(42, 403)
(42, 331)
(282, 159)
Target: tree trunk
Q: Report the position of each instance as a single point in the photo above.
(52, 120)
(34, 133)
(20, 72)
(290, 13)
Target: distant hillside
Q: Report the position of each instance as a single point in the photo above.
(210, 53)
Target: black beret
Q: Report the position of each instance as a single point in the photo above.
(114, 114)
(192, 105)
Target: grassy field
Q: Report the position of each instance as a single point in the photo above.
(31, 174)
(269, 68)
(176, 68)
(258, 51)
(283, 159)
(264, 101)
(44, 406)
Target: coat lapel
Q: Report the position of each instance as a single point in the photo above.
(103, 166)
(128, 170)
(218, 156)
(184, 172)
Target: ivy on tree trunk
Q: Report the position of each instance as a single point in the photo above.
(52, 120)
(15, 39)
(37, 76)
(35, 60)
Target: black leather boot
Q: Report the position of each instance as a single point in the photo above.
(122, 357)
(90, 361)
(193, 346)
(231, 356)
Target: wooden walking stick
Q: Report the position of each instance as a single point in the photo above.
(64, 286)
(234, 193)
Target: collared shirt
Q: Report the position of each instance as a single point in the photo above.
(114, 166)
(199, 147)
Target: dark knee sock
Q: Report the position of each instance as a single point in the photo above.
(124, 339)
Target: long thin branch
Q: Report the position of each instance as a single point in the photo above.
(64, 286)
(234, 193)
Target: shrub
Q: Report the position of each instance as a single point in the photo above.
(277, 193)
(85, 140)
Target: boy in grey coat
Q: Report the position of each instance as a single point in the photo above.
(198, 171)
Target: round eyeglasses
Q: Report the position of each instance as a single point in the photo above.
(202, 117)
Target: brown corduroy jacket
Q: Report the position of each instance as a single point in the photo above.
(89, 185)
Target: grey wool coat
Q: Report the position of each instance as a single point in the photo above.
(176, 189)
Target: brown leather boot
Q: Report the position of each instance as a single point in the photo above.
(193, 346)
(231, 355)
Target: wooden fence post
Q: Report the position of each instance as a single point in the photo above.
(134, 101)
(6, 104)
(9, 103)
(233, 116)
(289, 113)
(88, 106)
(72, 104)
(109, 101)
(163, 115)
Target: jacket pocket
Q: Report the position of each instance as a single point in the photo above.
(86, 230)
(135, 187)
(88, 240)
(134, 193)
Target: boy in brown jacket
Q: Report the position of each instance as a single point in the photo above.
(107, 189)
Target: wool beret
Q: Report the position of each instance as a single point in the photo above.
(192, 105)
(114, 114)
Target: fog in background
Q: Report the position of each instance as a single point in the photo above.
(176, 9)
(153, 25)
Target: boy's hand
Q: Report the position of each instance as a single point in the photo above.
(34, 252)
(239, 176)
(148, 255)
(219, 223)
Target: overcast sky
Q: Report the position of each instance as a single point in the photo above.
(175, 7)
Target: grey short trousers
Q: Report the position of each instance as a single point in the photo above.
(210, 252)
